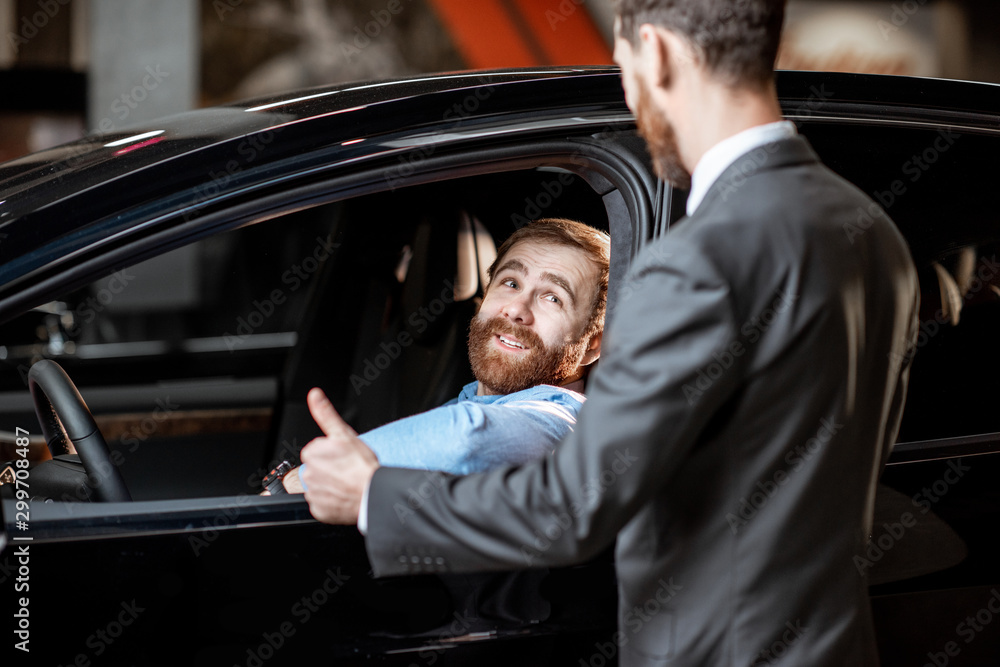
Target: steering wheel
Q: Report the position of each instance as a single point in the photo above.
(66, 420)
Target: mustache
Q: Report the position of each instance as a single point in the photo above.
(500, 325)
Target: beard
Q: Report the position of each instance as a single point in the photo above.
(505, 373)
(661, 139)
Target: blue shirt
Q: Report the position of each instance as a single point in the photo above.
(474, 433)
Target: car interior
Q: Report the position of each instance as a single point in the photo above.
(954, 239)
(195, 364)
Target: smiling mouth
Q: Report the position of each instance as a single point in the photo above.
(507, 342)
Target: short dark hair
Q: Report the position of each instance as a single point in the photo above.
(561, 231)
(736, 39)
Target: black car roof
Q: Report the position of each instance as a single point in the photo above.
(55, 192)
(123, 151)
(135, 147)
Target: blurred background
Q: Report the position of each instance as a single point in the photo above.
(72, 66)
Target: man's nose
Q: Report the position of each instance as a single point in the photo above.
(519, 310)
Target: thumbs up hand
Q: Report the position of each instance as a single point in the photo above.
(338, 466)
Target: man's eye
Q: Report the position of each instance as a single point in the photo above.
(553, 298)
(510, 282)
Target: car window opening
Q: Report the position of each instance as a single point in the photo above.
(206, 353)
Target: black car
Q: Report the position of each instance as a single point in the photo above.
(196, 276)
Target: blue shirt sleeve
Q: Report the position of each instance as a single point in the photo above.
(475, 433)
(469, 437)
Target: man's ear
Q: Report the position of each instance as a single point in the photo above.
(593, 352)
(654, 52)
(664, 53)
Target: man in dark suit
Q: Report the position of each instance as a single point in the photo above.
(751, 386)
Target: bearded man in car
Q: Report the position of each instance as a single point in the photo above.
(531, 345)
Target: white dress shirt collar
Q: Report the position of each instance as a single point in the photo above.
(718, 158)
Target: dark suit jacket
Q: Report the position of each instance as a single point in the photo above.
(750, 388)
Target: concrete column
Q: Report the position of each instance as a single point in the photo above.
(7, 28)
(144, 59)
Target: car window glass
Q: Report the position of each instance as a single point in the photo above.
(937, 188)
